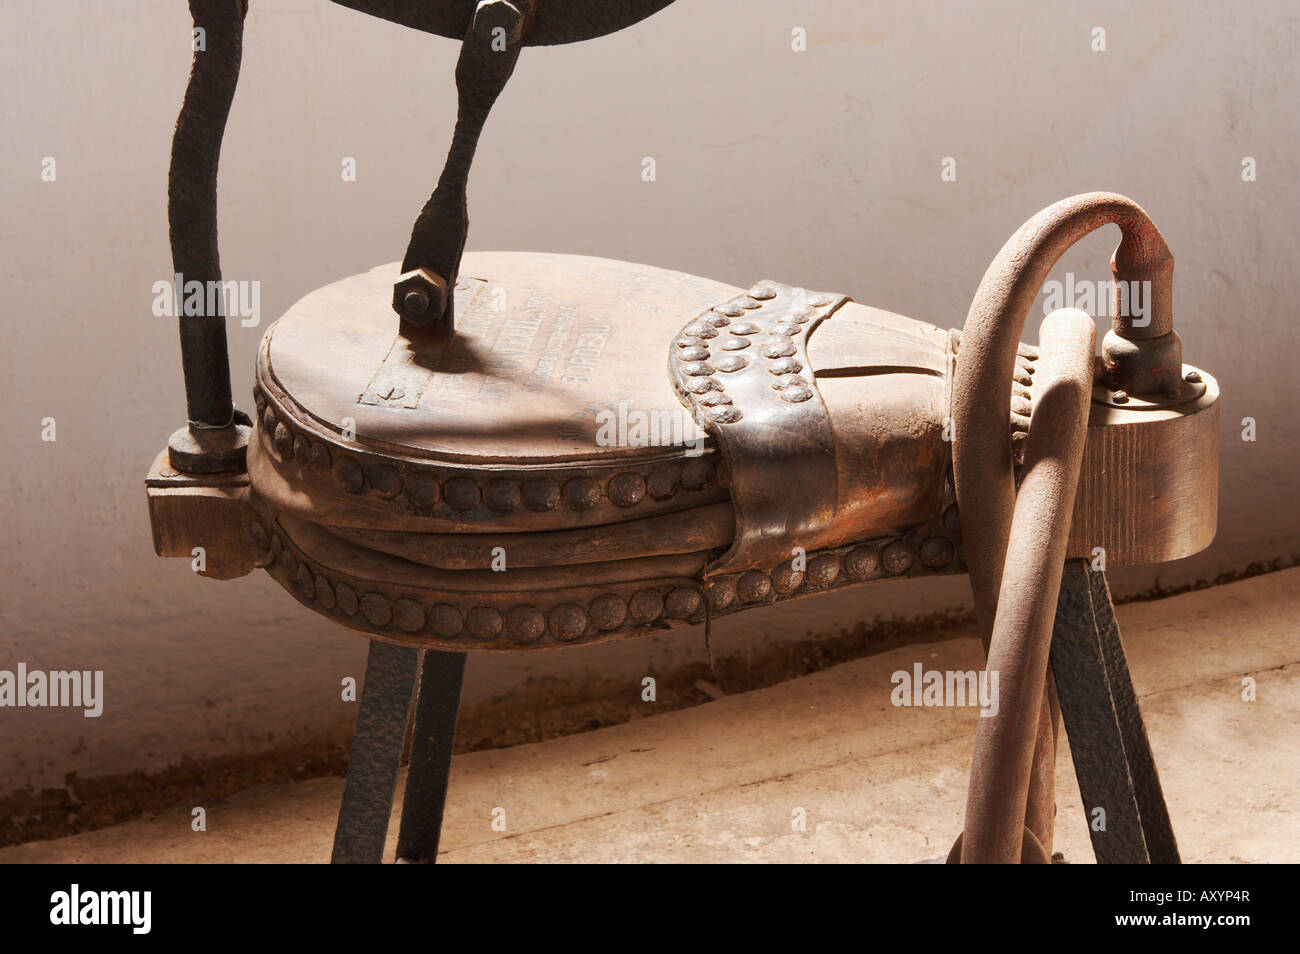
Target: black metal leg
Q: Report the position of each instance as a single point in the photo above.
(1108, 742)
(376, 753)
(426, 781)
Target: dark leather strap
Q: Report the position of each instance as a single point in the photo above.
(742, 369)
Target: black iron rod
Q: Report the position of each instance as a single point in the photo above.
(436, 707)
(376, 753)
(192, 205)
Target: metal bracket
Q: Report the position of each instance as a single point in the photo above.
(424, 295)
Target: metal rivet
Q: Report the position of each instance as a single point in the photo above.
(735, 344)
(626, 490)
(796, 395)
(682, 602)
(714, 398)
(324, 592)
(724, 414)
(483, 622)
(581, 493)
(320, 455)
(693, 354)
(664, 480)
(937, 552)
(700, 385)
(608, 612)
(722, 592)
(526, 624)
(376, 609)
(1120, 397)
(646, 606)
(698, 329)
(696, 474)
(384, 481)
(408, 614)
(283, 440)
(567, 622)
(754, 586)
(697, 368)
(788, 381)
(786, 579)
(688, 342)
(730, 309)
(346, 597)
(348, 473)
(762, 292)
(785, 366)
(1193, 377)
(541, 495)
(744, 301)
(731, 362)
(898, 557)
(745, 328)
(422, 490)
(501, 495)
(446, 620)
(461, 493)
(862, 562)
(823, 569)
(778, 348)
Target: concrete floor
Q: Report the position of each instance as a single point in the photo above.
(722, 782)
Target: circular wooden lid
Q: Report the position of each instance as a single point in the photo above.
(551, 408)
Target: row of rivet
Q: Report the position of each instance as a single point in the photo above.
(497, 494)
(859, 563)
(778, 348)
(524, 624)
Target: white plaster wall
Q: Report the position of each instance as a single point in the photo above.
(819, 168)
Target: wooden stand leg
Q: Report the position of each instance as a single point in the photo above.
(376, 753)
(1108, 742)
(438, 702)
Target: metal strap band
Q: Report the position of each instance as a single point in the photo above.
(742, 370)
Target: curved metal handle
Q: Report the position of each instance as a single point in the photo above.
(984, 473)
(1007, 744)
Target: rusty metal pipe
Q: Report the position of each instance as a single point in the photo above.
(1008, 745)
(981, 406)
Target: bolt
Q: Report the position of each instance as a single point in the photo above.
(1121, 397)
(416, 301)
(1193, 377)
